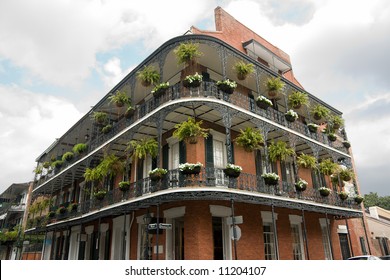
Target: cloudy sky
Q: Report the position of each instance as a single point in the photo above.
(58, 58)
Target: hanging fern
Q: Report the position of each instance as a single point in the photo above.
(144, 147)
(279, 151)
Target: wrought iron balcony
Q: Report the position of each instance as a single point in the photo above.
(207, 89)
(210, 178)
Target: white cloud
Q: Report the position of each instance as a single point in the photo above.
(30, 122)
(112, 73)
(57, 41)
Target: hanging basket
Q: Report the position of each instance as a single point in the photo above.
(270, 181)
(225, 88)
(262, 104)
(231, 172)
(156, 177)
(192, 84)
(195, 170)
(324, 193)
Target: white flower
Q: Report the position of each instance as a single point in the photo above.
(189, 166)
(234, 167)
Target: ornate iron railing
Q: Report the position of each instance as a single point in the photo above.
(207, 89)
(208, 177)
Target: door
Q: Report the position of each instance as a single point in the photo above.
(344, 246)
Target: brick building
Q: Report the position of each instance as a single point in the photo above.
(211, 214)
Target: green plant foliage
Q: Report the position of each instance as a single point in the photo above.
(336, 121)
(120, 98)
(189, 129)
(243, 69)
(57, 164)
(297, 98)
(250, 139)
(68, 156)
(346, 174)
(148, 76)
(79, 148)
(319, 112)
(274, 84)
(279, 151)
(306, 161)
(328, 167)
(100, 117)
(187, 52)
(109, 166)
(144, 147)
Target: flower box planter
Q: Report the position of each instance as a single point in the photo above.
(332, 137)
(100, 195)
(343, 196)
(270, 181)
(289, 118)
(313, 128)
(156, 177)
(300, 186)
(192, 84)
(157, 174)
(358, 199)
(124, 186)
(324, 192)
(226, 86)
(262, 104)
(231, 172)
(195, 170)
(160, 89)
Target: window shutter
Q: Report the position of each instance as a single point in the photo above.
(182, 152)
(165, 156)
(314, 178)
(232, 147)
(283, 169)
(209, 151)
(140, 169)
(258, 163)
(154, 163)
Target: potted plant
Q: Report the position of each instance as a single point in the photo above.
(100, 194)
(190, 168)
(106, 129)
(327, 167)
(109, 166)
(232, 170)
(332, 137)
(346, 144)
(187, 53)
(250, 139)
(57, 164)
(296, 99)
(189, 131)
(226, 86)
(291, 115)
(324, 191)
(100, 117)
(73, 207)
(144, 147)
(192, 81)
(119, 98)
(343, 195)
(38, 170)
(243, 69)
(160, 89)
(157, 174)
(336, 121)
(271, 178)
(346, 174)
(359, 199)
(263, 102)
(129, 112)
(79, 148)
(124, 186)
(51, 214)
(319, 112)
(60, 210)
(279, 151)
(274, 86)
(313, 128)
(148, 76)
(68, 156)
(301, 185)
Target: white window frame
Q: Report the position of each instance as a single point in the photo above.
(219, 175)
(266, 217)
(296, 222)
(170, 215)
(225, 213)
(325, 239)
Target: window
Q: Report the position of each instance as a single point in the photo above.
(363, 245)
(174, 239)
(297, 239)
(325, 239)
(269, 241)
(144, 240)
(222, 245)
